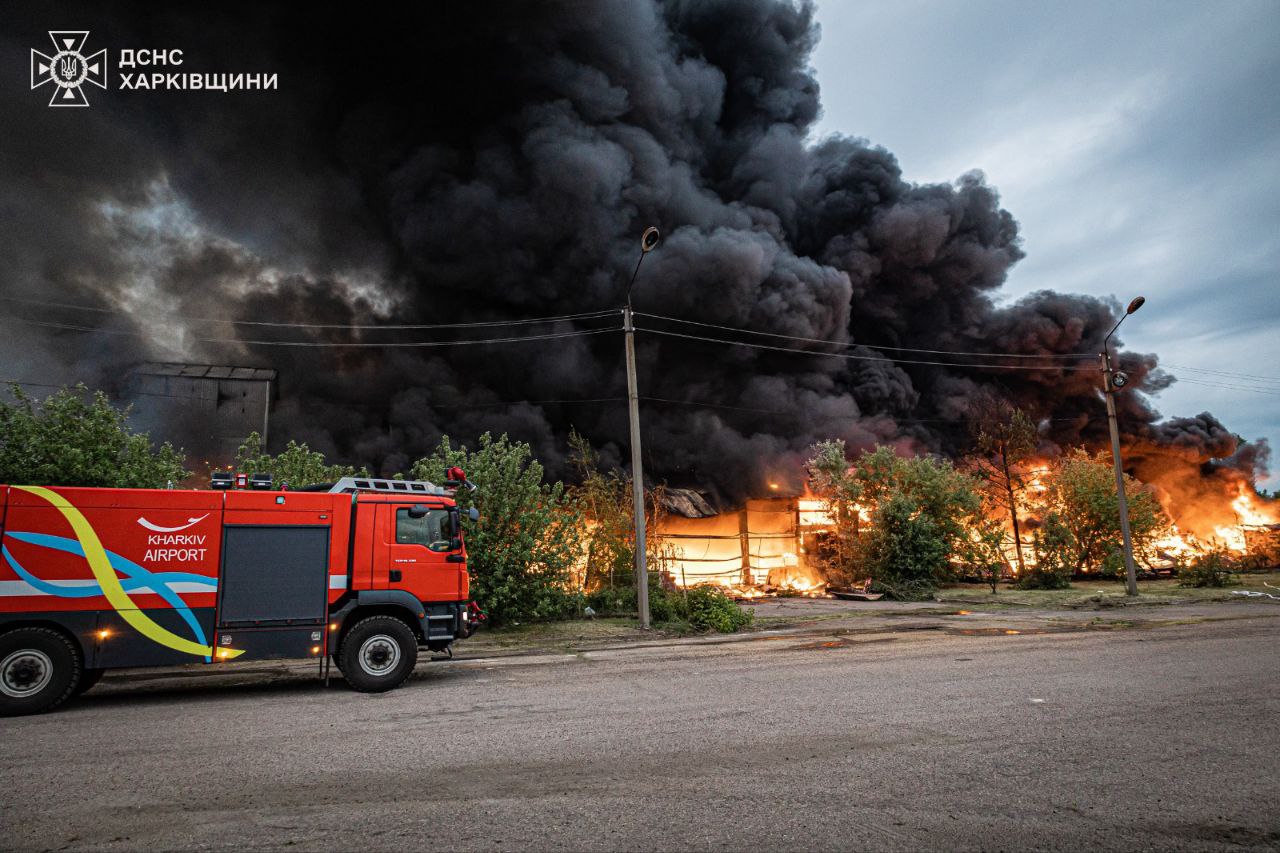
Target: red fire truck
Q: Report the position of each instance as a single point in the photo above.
(360, 574)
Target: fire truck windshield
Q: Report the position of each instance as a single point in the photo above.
(431, 530)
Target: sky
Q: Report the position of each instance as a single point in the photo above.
(1137, 144)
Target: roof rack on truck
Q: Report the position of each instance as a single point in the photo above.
(350, 485)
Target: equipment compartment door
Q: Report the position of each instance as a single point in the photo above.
(274, 574)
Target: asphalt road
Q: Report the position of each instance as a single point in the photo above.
(1160, 738)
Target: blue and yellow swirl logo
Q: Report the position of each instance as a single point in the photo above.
(106, 567)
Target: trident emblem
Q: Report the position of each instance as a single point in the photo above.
(68, 69)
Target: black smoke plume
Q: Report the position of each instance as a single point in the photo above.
(468, 162)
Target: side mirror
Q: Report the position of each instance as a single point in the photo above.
(418, 511)
(473, 514)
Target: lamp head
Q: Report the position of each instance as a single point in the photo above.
(649, 240)
(1135, 304)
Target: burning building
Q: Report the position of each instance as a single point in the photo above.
(764, 545)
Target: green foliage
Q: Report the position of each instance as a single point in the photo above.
(904, 545)
(830, 477)
(665, 605)
(72, 438)
(522, 551)
(1037, 578)
(604, 501)
(709, 609)
(985, 552)
(922, 511)
(1004, 440)
(702, 608)
(1212, 569)
(617, 600)
(1082, 507)
(1053, 568)
(297, 465)
(947, 496)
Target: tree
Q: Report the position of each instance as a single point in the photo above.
(949, 497)
(985, 553)
(522, 551)
(922, 510)
(905, 549)
(1082, 515)
(603, 499)
(296, 466)
(73, 438)
(1005, 440)
(831, 478)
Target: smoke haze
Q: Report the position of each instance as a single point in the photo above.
(454, 163)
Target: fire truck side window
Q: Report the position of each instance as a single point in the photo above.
(432, 530)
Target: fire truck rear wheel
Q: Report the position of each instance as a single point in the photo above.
(39, 670)
(377, 654)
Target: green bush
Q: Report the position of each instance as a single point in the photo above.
(1037, 578)
(665, 605)
(708, 609)
(296, 466)
(905, 551)
(702, 608)
(1207, 570)
(522, 550)
(923, 511)
(1081, 504)
(615, 601)
(74, 438)
(1054, 560)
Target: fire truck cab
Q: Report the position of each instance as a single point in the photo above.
(360, 574)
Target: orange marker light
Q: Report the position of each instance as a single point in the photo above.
(315, 650)
(103, 634)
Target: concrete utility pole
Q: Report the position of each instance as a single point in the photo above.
(648, 241)
(1112, 381)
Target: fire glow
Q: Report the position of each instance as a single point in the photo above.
(760, 549)
(765, 547)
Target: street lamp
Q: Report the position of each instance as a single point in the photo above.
(648, 242)
(1113, 381)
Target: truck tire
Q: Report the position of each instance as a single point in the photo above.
(39, 670)
(88, 678)
(377, 654)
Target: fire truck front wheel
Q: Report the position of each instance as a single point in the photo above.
(39, 670)
(377, 654)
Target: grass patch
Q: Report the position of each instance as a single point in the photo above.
(1102, 594)
(558, 636)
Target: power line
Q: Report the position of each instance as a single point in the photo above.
(322, 344)
(529, 402)
(373, 326)
(717, 406)
(1229, 374)
(855, 344)
(1274, 392)
(851, 357)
